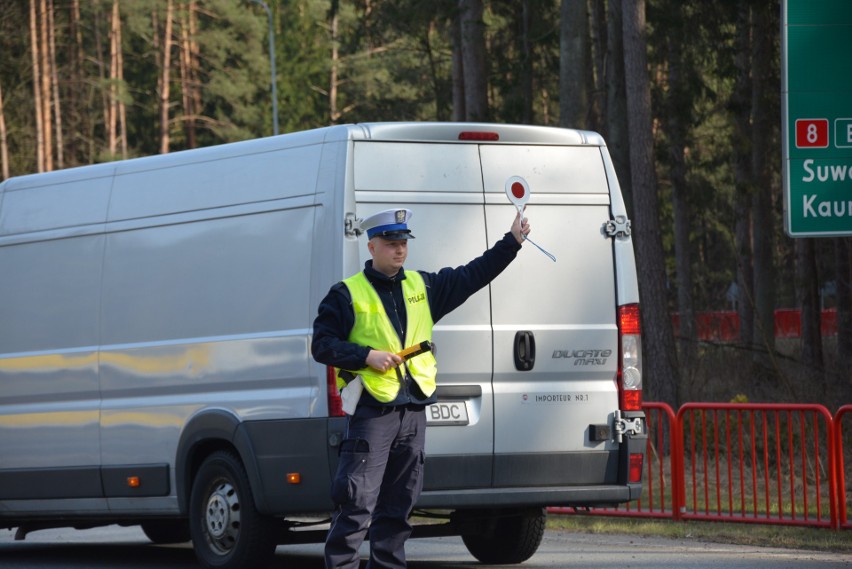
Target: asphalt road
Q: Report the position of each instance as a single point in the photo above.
(127, 548)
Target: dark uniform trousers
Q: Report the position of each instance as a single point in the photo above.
(379, 479)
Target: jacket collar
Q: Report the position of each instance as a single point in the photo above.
(376, 277)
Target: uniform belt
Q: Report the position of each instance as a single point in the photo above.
(404, 407)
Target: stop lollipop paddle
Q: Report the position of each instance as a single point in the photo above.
(518, 192)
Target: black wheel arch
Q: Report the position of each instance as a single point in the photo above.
(205, 433)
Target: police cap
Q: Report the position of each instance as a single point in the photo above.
(389, 224)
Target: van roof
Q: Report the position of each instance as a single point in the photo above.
(477, 132)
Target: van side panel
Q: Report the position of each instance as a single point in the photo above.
(218, 180)
(49, 310)
(36, 204)
(206, 314)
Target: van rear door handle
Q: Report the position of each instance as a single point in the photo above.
(524, 350)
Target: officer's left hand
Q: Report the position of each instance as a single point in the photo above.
(520, 227)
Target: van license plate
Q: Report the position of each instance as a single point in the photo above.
(447, 413)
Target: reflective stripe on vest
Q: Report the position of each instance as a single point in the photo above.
(373, 328)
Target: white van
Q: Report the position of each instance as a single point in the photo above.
(156, 317)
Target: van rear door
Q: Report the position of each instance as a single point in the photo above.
(442, 184)
(555, 334)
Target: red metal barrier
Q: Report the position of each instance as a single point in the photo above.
(740, 462)
(762, 463)
(842, 491)
(724, 325)
(659, 479)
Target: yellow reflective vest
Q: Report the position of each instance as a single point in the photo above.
(373, 328)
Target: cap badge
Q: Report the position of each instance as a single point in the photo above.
(400, 216)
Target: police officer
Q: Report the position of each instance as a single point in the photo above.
(361, 325)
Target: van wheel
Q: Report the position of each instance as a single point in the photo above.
(227, 530)
(166, 531)
(507, 536)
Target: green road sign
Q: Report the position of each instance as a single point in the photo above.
(817, 117)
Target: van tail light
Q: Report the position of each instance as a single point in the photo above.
(636, 462)
(629, 358)
(335, 403)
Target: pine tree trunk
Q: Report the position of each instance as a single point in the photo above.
(843, 278)
(473, 55)
(660, 358)
(165, 80)
(574, 63)
(677, 117)
(46, 90)
(78, 113)
(334, 114)
(616, 102)
(112, 117)
(189, 73)
(762, 212)
(741, 106)
(103, 75)
(194, 66)
(122, 106)
(37, 102)
(4, 147)
(459, 110)
(54, 82)
(807, 294)
(597, 41)
(185, 76)
(527, 46)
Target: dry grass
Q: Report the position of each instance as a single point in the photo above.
(740, 533)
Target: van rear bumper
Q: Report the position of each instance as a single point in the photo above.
(581, 496)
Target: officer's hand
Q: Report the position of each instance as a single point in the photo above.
(520, 227)
(383, 361)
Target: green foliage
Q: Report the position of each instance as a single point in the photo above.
(235, 73)
(303, 53)
(512, 56)
(395, 61)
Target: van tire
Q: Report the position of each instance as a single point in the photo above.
(510, 536)
(166, 531)
(227, 530)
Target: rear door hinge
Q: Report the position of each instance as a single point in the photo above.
(618, 227)
(352, 225)
(623, 426)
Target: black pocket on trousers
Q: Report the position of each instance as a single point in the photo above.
(351, 470)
